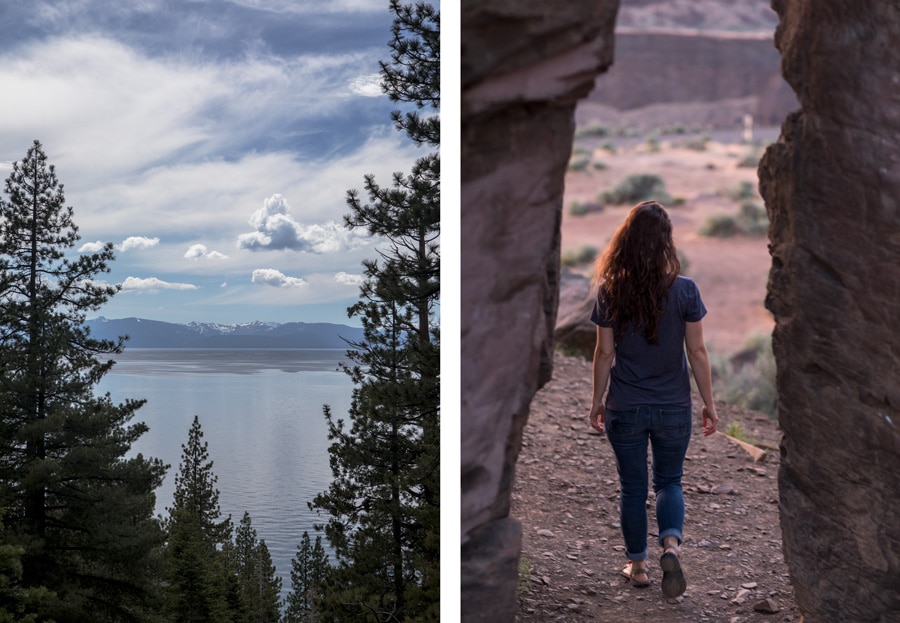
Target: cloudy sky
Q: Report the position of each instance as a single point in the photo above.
(212, 141)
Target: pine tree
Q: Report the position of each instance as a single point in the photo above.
(80, 511)
(260, 588)
(383, 503)
(309, 570)
(197, 568)
(17, 604)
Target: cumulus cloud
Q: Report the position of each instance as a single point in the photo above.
(272, 277)
(138, 242)
(152, 284)
(199, 251)
(276, 229)
(91, 247)
(349, 280)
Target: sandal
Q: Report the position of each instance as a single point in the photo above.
(673, 582)
(631, 573)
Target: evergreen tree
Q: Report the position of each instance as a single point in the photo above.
(259, 586)
(81, 513)
(383, 503)
(197, 562)
(17, 604)
(309, 569)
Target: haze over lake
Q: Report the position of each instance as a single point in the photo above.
(261, 414)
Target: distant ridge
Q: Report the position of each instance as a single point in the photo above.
(260, 335)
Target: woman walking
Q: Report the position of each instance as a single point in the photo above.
(646, 313)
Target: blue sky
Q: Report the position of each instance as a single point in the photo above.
(212, 141)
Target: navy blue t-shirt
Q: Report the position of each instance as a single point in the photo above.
(645, 374)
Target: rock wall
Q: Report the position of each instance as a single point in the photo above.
(694, 66)
(525, 63)
(832, 189)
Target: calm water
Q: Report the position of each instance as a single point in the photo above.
(261, 414)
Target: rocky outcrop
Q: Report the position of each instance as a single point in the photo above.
(575, 334)
(525, 63)
(832, 189)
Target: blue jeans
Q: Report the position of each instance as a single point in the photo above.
(669, 431)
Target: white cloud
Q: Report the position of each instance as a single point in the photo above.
(131, 111)
(272, 277)
(138, 242)
(91, 247)
(367, 86)
(178, 144)
(198, 251)
(154, 284)
(332, 6)
(349, 280)
(276, 229)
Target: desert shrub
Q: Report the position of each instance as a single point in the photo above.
(697, 144)
(736, 429)
(636, 188)
(750, 161)
(685, 264)
(608, 146)
(576, 208)
(599, 166)
(753, 219)
(593, 129)
(720, 226)
(740, 192)
(579, 162)
(584, 254)
(523, 584)
(748, 379)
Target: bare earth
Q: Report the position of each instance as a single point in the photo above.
(732, 272)
(566, 496)
(566, 491)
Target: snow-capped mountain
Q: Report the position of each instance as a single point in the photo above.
(144, 333)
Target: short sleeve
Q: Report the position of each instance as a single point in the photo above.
(692, 307)
(599, 316)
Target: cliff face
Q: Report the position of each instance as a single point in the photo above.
(681, 66)
(832, 189)
(524, 65)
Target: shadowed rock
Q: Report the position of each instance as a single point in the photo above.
(832, 190)
(525, 63)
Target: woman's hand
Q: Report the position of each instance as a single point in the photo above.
(598, 417)
(710, 420)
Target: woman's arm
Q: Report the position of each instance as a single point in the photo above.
(604, 353)
(699, 360)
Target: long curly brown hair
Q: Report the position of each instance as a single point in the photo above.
(637, 269)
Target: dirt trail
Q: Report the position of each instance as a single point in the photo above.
(566, 496)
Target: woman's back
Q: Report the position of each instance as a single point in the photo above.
(647, 374)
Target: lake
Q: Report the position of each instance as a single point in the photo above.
(261, 414)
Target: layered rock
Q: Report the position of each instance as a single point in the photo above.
(832, 189)
(681, 66)
(525, 63)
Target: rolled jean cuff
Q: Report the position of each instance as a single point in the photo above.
(637, 557)
(670, 532)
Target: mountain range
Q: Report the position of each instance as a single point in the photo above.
(145, 333)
